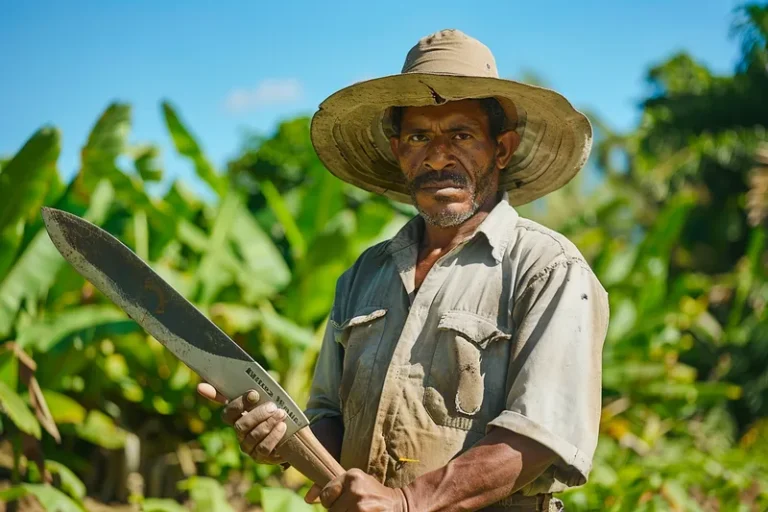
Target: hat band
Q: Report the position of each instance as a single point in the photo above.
(451, 61)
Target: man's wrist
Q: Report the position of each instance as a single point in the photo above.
(411, 499)
(405, 504)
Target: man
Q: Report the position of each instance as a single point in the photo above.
(461, 367)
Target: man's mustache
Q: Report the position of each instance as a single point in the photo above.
(437, 177)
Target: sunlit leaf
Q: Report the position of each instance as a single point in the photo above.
(268, 271)
(161, 505)
(9, 368)
(12, 493)
(277, 499)
(98, 320)
(101, 430)
(323, 199)
(24, 184)
(284, 216)
(616, 263)
(222, 449)
(145, 161)
(285, 328)
(64, 409)
(18, 411)
(35, 270)
(207, 494)
(70, 483)
(212, 274)
(235, 318)
(181, 200)
(623, 318)
(187, 146)
(49, 497)
(108, 137)
(630, 373)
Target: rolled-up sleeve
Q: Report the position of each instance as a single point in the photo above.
(324, 393)
(554, 397)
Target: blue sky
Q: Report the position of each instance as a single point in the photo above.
(230, 66)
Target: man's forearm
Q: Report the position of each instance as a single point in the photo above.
(498, 465)
(330, 432)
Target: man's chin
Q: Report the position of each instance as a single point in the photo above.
(446, 215)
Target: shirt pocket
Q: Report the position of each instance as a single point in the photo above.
(466, 379)
(360, 335)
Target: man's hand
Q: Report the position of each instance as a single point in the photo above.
(355, 491)
(259, 429)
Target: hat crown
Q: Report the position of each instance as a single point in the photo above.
(451, 52)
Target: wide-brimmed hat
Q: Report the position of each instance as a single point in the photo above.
(350, 131)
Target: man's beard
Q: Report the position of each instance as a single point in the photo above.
(447, 218)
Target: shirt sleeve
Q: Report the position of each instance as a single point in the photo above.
(555, 378)
(324, 399)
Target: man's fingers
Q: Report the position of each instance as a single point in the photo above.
(207, 391)
(344, 503)
(258, 417)
(331, 492)
(313, 494)
(252, 428)
(264, 449)
(236, 407)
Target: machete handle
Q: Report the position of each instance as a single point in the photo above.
(305, 453)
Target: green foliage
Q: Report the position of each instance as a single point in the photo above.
(24, 184)
(110, 388)
(187, 146)
(675, 231)
(667, 231)
(161, 505)
(13, 405)
(207, 494)
(70, 483)
(275, 499)
(50, 498)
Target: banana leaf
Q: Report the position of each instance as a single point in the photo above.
(34, 272)
(187, 146)
(17, 410)
(24, 184)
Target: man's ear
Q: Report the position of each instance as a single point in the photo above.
(506, 145)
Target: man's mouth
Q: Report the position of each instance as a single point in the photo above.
(440, 185)
(440, 181)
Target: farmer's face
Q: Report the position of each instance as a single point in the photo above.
(449, 159)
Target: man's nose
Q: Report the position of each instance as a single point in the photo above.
(439, 156)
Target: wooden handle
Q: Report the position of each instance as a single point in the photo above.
(305, 453)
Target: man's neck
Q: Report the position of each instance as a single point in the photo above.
(442, 240)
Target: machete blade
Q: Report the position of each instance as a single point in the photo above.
(164, 313)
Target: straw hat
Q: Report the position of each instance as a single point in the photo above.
(351, 129)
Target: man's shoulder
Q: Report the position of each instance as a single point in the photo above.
(365, 266)
(531, 237)
(535, 248)
(371, 258)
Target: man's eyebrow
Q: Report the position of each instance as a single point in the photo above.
(461, 126)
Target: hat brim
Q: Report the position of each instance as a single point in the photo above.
(350, 136)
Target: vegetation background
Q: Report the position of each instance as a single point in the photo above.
(96, 415)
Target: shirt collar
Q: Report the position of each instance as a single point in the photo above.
(497, 228)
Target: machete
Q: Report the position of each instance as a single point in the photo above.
(170, 318)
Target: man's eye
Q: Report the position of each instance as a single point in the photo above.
(417, 137)
(463, 136)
